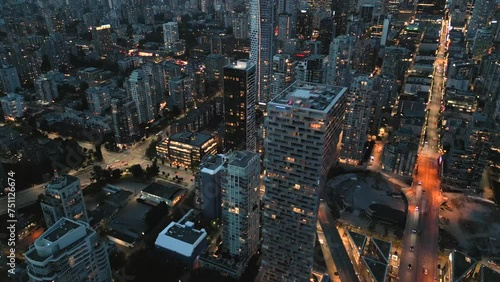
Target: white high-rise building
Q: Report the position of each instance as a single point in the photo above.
(303, 127)
(63, 198)
(9, 79)
(170, 33)
(140, 88)
(339, 61)
(68, 251)
(261, 45)
(240, 204)
(12, 105)
(357, 120)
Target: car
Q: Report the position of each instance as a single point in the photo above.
(414, 230)
(409, 266)
(416, 208)
(411, 248)
(420, 183)
(425, 271)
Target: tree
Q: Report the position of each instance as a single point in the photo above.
(100, 175)
(116, 173)
(98, 153)
(151, 150)
(137, 171)
(156, 214)
(153, 170)
(117, 259)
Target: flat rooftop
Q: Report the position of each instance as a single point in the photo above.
(184, 233)
(59, 229)
(63, 180)
(240, 65)
(314, 96)
(162, 191)
(240, 158)
(192, 138)
(211, 162)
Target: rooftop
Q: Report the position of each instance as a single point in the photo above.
(192, 138)
(309, 95)
(162, 191)
(210, 163)
(358, 239)
(377, 269)
(181, 238)
(489, 274)
(240, 158)
(240, 65)
(59, 229)
(461, 264)
(58, 182)
(384, 248)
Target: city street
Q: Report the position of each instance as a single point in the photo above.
(422, 227)
(334, 243)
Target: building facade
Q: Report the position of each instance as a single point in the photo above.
(140, 89)
(239, 106)
(9, 79)
(241, 204)
(187, 149)
(357, 120)
(12, 105)
(261, 45)
(68, 251)
(304, 125)
(125, 121)
(63, 198)
(207, 184)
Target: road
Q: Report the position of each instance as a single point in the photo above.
(427, 196)
(333, 240)
(330, 265)
(133, 155)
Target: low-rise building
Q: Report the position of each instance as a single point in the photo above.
(186, 149)
(182, 240)
(170, 194)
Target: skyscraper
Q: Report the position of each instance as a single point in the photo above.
(339, 61)
(261, 45)
(46, 87)
(63, 198)
(283, 73)
(311, 69)
(170, 33)
(9, 79)
(239, 106)
(483, 9)
(68, 251)
(287, 19)
(125, 120)
(12, 105)
(208, 186)
(240, 204)
(357, 119)
(140, 89)
(98, 99)
(103, 41)
(304, 125)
